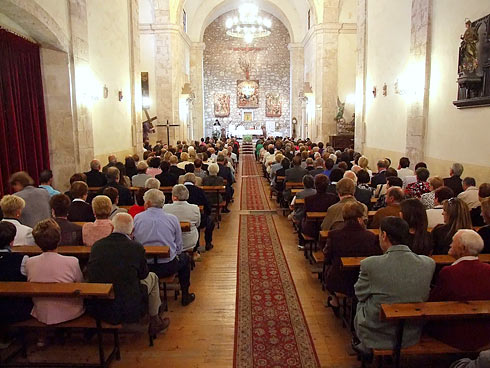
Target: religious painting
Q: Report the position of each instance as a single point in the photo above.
(221, 105)
(248, 116)
(273, 106)
(248, 94)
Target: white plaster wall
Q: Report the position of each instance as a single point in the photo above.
(109, 64)
(58, 10)
(348, 11)
(388, 48)
(145, 11)
(448, 127)
(347, 71)
(147, 64)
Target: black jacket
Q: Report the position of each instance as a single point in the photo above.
(80, 212)
(198, 196)
(176, 171)
(95, 178)
(118, 260)
(455, 183)
(125, 196)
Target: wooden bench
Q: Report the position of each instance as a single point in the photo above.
(440, 260)
(185, 226)
(324, 233)
(64, 290)
(400, 313)
(291, 185)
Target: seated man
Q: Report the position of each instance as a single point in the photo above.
(46, 182)
(466, 279)
(454, 181)
(71, 234)
(155, 227)
(394, 196)
(121, 261)
(125, 196)
(309, 189)
(12, 207)
(398, 276)
(113, 195)
(94, 177)
(470, 193)
(80, 210)
(141, 177)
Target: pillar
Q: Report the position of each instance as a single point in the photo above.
(196, 78)
(297, 61)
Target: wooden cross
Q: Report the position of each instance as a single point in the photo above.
(148, 119)
(168, 130)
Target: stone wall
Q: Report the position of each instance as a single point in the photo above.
(270, 66)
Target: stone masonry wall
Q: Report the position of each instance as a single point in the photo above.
(270, 66)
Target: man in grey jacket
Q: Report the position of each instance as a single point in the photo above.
(398, 276)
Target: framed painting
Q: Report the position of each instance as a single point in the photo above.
(273, 106)
(247, 116)
(221, 105)
(248, 94)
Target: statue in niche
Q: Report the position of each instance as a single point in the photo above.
(468, 58)
(340, 110)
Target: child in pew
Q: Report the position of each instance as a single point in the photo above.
(12, 266)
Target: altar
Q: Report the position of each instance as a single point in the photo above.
(241, 131)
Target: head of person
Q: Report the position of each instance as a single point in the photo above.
(180, 193)
(285, 163)
(309, 161)
(154, 198)
(123, 223)
(413, 212)
(189, 168)
(343, 166)
(392, 231)
(174, 160)
(469, 182)
(329, 163)
(113, 175)
(139, 196)
(422, 174)
(319, 163)
(79, 189)
(351, 175)
(47, 235)
(485, 210)
(404, 162)
(363, 177)
(129, 162)
(95, 165)
(483, 191)
(112, 193)
(390, 171)
(420, 164)
(321, 183)
(466, 242)
(197, 164)
(394, 181)
(7, 234)
(102, 207)
(456, 169)
(220, 159)
(346, 187)
(154, 162)
(435, 182)
(394, 196)
(456, 214)
(20, 180)
(59, 203)
(353, 212)
(46, 177)
(12, 206)
(213, 169)
(382, 164)
(363, 162)
(441, 194)
(152, 183)
(296, 161)
(308, 182)
(142, 167)
(190, 178)
(184, 156)
(336, 175)
(112, 159)
(78, 177)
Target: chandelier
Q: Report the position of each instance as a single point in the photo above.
(248, 24)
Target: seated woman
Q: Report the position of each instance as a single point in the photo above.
(456, 216)
(419, 239)
(71, 234)
(185, 212)
(53, 267)
(213, 180)
(12, 207)
(353, 240)
(484, 232)
(308, 190)
(13, 269)
(421, 186)
(139, 206)
(102, 227)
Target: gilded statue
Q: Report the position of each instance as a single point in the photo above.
(468, 58)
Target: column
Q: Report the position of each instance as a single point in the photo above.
(360, 128)
(196, 77)
(297, 58)
(417, 109)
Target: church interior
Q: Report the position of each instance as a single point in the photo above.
(239, 110)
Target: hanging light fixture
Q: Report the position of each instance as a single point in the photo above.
(248, 24)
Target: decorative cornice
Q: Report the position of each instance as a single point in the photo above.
(335, 28)
(295, 45)
(151, 28)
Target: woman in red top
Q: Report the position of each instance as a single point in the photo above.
(139, 206)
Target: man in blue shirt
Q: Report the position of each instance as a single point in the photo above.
(155, 227)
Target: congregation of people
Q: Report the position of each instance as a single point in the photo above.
(418, 214)
(115, 210)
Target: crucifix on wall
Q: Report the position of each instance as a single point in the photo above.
(168, 126)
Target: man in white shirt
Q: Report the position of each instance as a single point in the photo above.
(12, 207)
(434, 215)
(470, 193)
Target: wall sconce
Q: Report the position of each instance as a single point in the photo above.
(385, 90)
(145, 102)
(120, 96)
(105, 92)
(374, 91)
(187, 89)
(307, 90)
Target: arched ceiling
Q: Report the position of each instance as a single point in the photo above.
(292, 13)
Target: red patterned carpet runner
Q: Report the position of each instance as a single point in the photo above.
(249, 166)
(270, 327)
(253, 195)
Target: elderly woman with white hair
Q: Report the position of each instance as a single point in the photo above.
(466, 279)
(185, 212)
(213, 180)
(12, 207)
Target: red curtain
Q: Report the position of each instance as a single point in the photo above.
(23, 133)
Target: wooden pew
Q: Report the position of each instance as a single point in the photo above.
(324, 233)
(440, 260)
(400, 313)
(185, 226)
(65, 290)
(82, 251)
(291, 185)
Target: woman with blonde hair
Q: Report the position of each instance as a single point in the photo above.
(456, 216)
(102, 227)
(363, 163)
